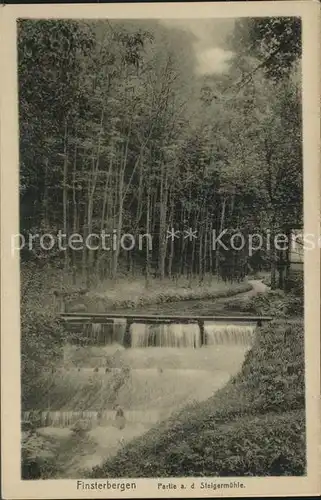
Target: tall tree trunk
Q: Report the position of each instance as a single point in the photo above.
(210, 252)
(281, 269)
(90, 208)
(121, 199)
(75, 214)
(116, 249)
(192, 263)
(273, 258)
(162, 222)
(200, 251)
(205, 258)
(45, 195)
(147, 264)
(84, 256)
(171, 254)
(182, 252)
(95, 170)
(65, 194)
(287, 258)
(104, 215)
(217, 251)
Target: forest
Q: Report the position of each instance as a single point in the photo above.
(120, 133)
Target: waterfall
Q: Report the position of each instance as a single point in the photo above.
(139, 334)
(227, 333)
(96, 332)
(119, 328)
(111, 332)
(133, 416)
(172, 335)
(65, 419)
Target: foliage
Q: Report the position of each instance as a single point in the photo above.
(81, 428)
(295, 284)
(254, 426)
(276, 40)
(38, 459)
(41, 347)
(275, 303)
(266, 445)
(273, 371)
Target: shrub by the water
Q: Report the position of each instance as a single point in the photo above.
(38, 457)
(274, 303)
(41, 348)
(255, 426)
(81, 427)
(273, 371)
(295, 283)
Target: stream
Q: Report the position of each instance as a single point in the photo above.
(146, 383)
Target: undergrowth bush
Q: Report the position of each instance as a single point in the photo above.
(41, 348)
(255, 426)
(295, 283)
(38, 457)
(274, 303)
(81, 427)
(273, 372)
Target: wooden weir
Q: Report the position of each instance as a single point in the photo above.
(105, 318)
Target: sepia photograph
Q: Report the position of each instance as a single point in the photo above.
(162, 250)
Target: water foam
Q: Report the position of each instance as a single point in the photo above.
(163, 335)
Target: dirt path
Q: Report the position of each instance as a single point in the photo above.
(257, 287)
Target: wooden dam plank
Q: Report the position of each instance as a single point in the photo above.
(74, 320)
(103, 317)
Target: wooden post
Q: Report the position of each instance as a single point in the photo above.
(127, 337)
(202, 331)
(59, 300)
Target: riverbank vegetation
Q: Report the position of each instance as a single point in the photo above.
(135, 295)
(277, 303)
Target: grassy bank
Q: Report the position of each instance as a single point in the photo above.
(135, 294)
(38, 286)
(255, 426)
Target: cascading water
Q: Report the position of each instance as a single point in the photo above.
(119, 329)
(94, 418)
(107, 333)
(170, 335)
(227, 333)
(96, 332)
(163, 335)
